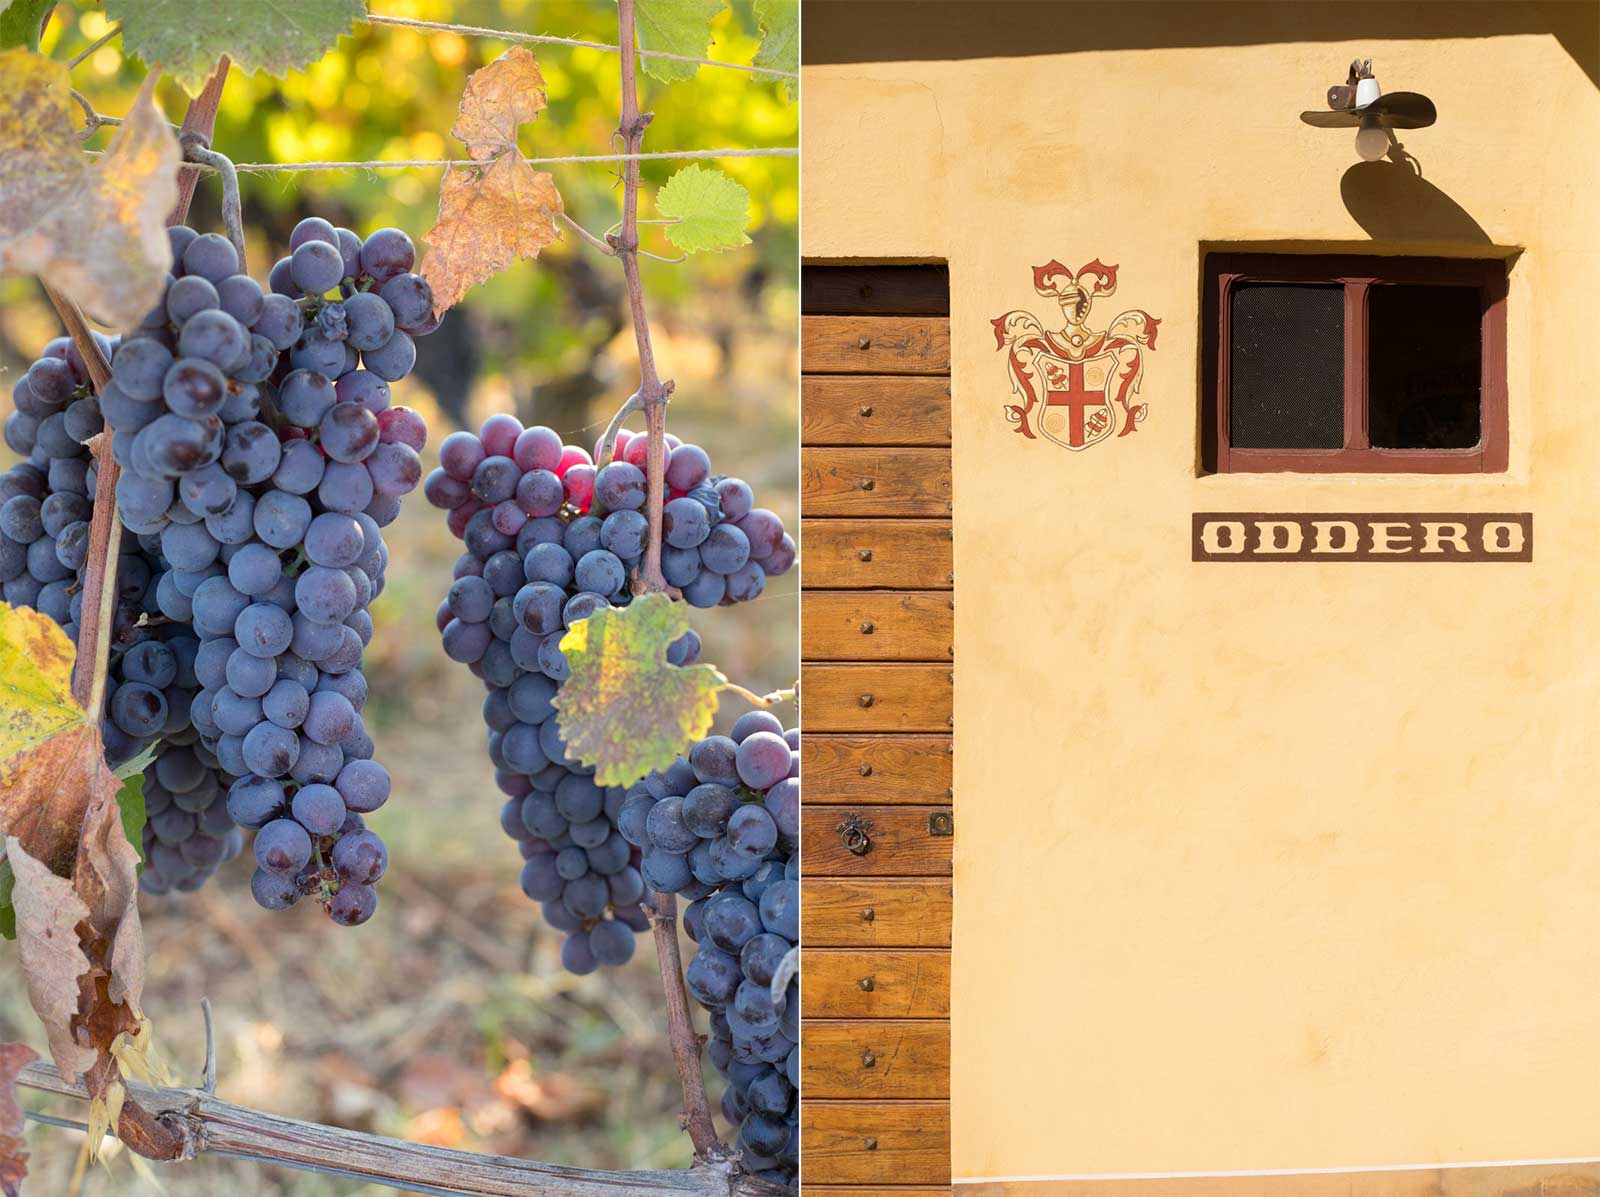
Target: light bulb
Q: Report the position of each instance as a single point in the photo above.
(1372, 141)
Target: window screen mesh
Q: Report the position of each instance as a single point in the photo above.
(1286, 369)
(1425, 368)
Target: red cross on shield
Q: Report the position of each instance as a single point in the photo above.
(1077, 408)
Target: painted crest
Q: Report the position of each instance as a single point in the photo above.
(1073, 382)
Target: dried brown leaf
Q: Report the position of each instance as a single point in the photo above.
(54, 967)
(106, 879)
(78, 933)
(488, 218)
(499, 97)
(96, 229)
(14, 1057)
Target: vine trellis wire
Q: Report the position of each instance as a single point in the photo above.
(95, 120)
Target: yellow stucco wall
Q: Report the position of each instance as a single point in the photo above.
(1258, 866)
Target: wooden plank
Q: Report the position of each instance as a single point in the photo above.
(859, 1142)
(875, 912)
(845, 983)
(866, 482)
(874, 1058)
(840, 409)
(852, 554)
(858, 698)
(922, 290)
(855, 625)
(897, 841)
(874, 345)
(876, 769)
(872, 1191)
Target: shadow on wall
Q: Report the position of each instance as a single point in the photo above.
(839, 31)
(1392, 202)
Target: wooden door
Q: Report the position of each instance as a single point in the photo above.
(877, 677)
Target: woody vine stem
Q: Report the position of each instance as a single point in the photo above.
(651, 398)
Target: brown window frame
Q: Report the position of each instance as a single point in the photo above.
(1356, 274)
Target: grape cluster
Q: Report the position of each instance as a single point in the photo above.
(260, 458)
(513, 487)
(188, 832)
(47, 499)
(551, 540)
(575, 863)
(722, 827)
(150, 684)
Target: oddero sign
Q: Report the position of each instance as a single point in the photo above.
(1362, 536)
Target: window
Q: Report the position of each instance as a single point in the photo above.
(1354, 364)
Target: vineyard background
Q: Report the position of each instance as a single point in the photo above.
(448, 1019)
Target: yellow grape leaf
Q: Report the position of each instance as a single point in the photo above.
(489, 217)
(624, 709)
(498, 98)
(14, 1057)
(95, 229)
(74, 872)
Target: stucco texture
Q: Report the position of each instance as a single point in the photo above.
(1270, 865)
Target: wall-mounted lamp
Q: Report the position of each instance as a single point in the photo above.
(1359, 103)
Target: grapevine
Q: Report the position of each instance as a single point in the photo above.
(259, 459)
(554, 537)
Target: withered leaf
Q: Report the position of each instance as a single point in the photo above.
(14, 1057)
(499, 97)
(78, 934)
(54, 966)
(488, 218)
(51, 757)
(95, 229)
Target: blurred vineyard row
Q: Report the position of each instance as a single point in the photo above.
(447, 1018)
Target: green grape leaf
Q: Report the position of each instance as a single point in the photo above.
(712, 210)
(8, 912)
(22, 21)
(130, 804)
(675, 27)
(624, 709)
(185, 38)
(780, 39)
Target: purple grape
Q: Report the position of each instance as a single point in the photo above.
(387, 253)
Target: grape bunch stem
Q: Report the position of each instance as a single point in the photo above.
(105, 532)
